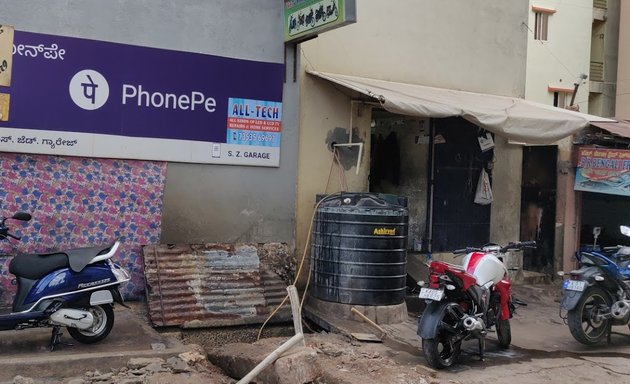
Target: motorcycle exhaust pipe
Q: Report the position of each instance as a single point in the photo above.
(620, 309)
(471, 324)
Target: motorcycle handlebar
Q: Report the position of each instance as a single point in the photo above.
(466, 250)
(518, 245)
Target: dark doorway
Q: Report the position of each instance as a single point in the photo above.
(457, 158)
(399, 153)
(538, 206)
(607, 212)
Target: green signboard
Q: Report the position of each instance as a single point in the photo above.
(305, 18)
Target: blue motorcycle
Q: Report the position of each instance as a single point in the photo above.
(597, 295)
(73, 288)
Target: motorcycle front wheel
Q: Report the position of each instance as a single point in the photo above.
(103, 324)
(584, 322)
(504, 333)
(443, 350)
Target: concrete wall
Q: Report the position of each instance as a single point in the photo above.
(413, 141)
(623, 70)
(557, 62)
(477, 45)
(202, 203)
(326, 112)
(605, 47)
(564, 56)
(506, 188)
(611, 54)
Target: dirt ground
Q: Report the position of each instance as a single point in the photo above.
(342, 360)
(542, 350)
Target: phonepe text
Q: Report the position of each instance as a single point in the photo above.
(192, 101)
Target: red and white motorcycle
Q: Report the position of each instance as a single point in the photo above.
(465, 302)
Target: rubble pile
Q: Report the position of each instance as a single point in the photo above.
(187, 368)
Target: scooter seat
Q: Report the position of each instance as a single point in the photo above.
(33, 266)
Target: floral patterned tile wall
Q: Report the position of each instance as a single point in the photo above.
(78, 202)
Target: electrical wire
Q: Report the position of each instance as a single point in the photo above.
(549, 50)
(306, 247)
(341, 172)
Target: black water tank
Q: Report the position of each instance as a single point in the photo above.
(359, 249)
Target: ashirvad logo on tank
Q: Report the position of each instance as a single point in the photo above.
(80, 97)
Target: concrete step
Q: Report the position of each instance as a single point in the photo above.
(534, 278)
(26, 352)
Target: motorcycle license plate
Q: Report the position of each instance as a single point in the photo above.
(574, 285)
(431, 294)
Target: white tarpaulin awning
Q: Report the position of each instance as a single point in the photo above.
(511, 117)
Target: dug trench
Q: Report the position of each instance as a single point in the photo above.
(540, 338)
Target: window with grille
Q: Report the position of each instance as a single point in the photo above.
(541, 26)
(562, 99)
(541, 22)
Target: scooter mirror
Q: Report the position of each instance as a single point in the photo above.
(625, 230)
(23, 216)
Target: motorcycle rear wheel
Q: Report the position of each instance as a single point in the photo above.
(439, 353)
(103, 324)
(443, 350)
(583, 325)
(504, 333)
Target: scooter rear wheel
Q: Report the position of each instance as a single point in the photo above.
(103, 324)
(584, 320)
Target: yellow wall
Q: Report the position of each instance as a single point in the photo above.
(325, 108)
(473, 45)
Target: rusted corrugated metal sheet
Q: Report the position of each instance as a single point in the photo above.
(212, 285)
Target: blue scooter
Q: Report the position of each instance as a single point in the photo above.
(597, 295)
(73, 288)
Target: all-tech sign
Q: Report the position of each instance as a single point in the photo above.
(81, 97)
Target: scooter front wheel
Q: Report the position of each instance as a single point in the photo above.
(103, 324)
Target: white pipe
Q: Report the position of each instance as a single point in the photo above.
(360, 145)
(295, 310)
(271, 358)
(299, 337)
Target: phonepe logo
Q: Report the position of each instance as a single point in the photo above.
(89, 89)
